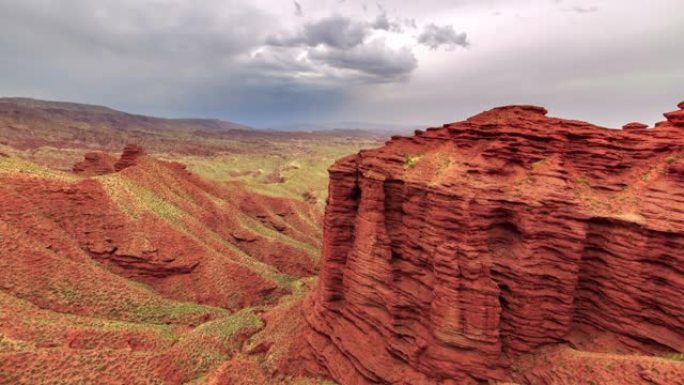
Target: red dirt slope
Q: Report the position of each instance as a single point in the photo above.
(145, 275)
(153, 222)
(449, 255)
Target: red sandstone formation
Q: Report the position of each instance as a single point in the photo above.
(95, 163)
(676, 118)
(451, 254)
(129, 156)
(635, 126)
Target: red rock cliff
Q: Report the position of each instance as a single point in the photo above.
(449, 254)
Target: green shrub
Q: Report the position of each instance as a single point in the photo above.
(411, 160)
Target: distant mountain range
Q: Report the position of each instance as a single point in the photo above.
(29, 123)
(361, 126)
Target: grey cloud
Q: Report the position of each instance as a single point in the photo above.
(132, 28)
(280, 62)
(138, 56)
(580, 9)
(410, 23)
(338, 31)
(334, 31)
(374, 59)
(346, 47)
(382, 22)
(189, 58)
(298, 9)
(435, 36)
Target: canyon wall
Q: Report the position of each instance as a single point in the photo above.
(450, 254)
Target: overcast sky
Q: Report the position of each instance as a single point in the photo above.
(274, 63)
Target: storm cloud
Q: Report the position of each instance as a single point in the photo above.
(341, 46)
(334, 31)
(268, 62)
(375, 59)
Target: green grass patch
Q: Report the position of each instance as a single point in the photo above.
(15, 166)
(676, 356)
(412, 160)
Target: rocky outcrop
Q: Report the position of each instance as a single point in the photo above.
(101, 163)
(676, 118)
(129, 157)
(449, 254)
(95, 163)
(635, 126)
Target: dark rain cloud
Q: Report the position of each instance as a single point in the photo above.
(341, 43)
(334, 31)
(375, 59)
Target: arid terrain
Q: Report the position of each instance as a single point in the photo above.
(158, 262)
(511, 248)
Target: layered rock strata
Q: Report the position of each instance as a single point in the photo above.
(129, 157)
(450, 253)
(95, 163)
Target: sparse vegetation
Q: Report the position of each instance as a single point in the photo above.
(676, 356)
(118, 325)
(583, 180)
(412, 160)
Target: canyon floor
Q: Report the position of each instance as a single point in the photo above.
(137, 250)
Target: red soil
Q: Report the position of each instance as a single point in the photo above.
(449, 255)
(105, 273)
(182, 245)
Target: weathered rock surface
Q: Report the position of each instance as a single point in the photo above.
(130, 155)
(449, 254)
(95, 163)
(635, 126)
(676, 118)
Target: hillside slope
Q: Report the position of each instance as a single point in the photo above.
(26, 123)
(146, 275)
(291, 164)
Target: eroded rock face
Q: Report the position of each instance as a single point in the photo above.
(95, 163)
(101, 163)
(449, 254)
(635, 126)
(676, 118)
(130, 155)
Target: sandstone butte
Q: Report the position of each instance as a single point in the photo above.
(450, 256)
